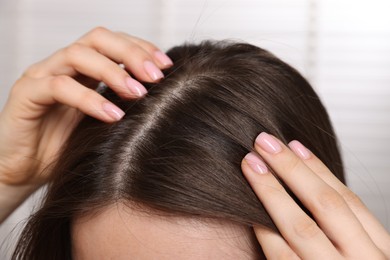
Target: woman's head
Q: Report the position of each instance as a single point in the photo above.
(176, 155)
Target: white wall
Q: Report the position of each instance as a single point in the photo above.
(343, 47)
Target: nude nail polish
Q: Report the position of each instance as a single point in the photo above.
(163, 58)
(255, 163)
(135, 87)
(268, 143)
(152, 70)
(299, 149)
(113, 111)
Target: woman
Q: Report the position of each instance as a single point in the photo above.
(160, 177)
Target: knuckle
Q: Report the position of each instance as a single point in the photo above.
(74, 50)
(18, 88)
(293, 164)
(138, 52)
(58, 82)
(328, 200)
(124, 34)
(87, 94)
(97, 32)
(352, 199)
(149, 47)
(145, 43)
(34, 71)
(306, 229)
(270, 189)
(112, 72)
(133, 47)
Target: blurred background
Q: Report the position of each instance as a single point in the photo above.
(342, 47)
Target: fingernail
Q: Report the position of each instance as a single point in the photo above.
(154, 72)
(163, 58)
(135, 87)
(255, 163)
(268, 143)
(113, 111)
(299, 149)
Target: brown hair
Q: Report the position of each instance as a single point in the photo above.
(179, 149)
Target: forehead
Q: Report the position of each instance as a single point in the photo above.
(123, 233)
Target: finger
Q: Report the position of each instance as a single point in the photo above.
(299, 230)
(160, 58)
(78, 58)
(370, 223)
(122, 50)
(65, 90)
(273, 244)
(328, 207)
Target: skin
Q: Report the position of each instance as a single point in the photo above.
(50, 98)
(343, 227)
(120, 232)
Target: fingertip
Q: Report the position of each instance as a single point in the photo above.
(135, 87)
(114, 112)
(255, 163)
(153, 71)
(300, 150)
(268, 143)
(163, 59)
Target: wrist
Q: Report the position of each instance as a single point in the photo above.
(12, 196)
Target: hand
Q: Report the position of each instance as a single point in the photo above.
(343, 228)
(47, 102)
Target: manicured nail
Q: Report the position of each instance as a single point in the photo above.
(113, 111)
(299, 149)
(255, 163)
(268, 143)
(163, 58)
(135, 87)
(154, 72)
